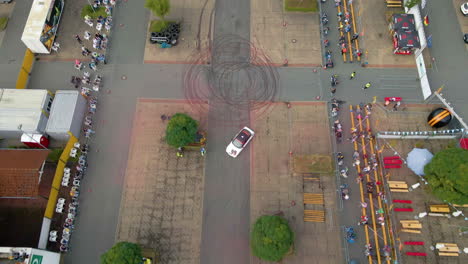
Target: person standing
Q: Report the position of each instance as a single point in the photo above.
(366, 86)
(56, 47)
(87, 35)
(77, 37)
(353, 74)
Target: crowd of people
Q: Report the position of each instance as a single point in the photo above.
(89, 87)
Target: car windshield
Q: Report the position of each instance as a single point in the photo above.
(465, 5)
(241, 138)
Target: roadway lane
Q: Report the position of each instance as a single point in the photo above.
(226, 203)
(449, 52)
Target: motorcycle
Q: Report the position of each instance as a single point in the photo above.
(325, 31)
(334, 80)
(334, 112)
(340, 158)
(326, 43)
(335, 109)
(344, 191)
(344, 173)
(350, 235)
(337, 126)
(324, 20)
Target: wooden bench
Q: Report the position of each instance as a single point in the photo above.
(396, 182)
(398, 185)
(399, 190)
(441, 208)
(313, 198)
(314, 216)
(411, 231)
(412, 225)
(311, 179)
(448, 254)
(393, 2)
(394, 5)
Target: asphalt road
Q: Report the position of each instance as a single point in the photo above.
(449, 53)
(226, 202)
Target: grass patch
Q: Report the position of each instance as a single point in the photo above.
(88, 11)
(158, 25)
(3, 22)
(312, 164)
(301, 5)
(54, 155)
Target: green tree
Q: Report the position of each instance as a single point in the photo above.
(447, 174)
(271, 238)
(181, 130)
(411, 3)
(123, 253)
(159, 8)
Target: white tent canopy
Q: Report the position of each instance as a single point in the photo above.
(417, 159)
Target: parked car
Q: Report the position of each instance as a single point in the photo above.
(465, 38)
(464, 9)
(239, 142)
(5, 1)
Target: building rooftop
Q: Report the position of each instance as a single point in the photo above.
(19, 171)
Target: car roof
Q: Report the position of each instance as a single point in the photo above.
(243, 135)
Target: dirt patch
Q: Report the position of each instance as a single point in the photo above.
(312, 164)
(301, 5)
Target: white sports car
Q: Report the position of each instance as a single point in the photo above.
(239, 142)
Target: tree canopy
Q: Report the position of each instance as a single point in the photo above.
(271, 238)
(159, 8)
(447, 174)
(123, 253)
(181, 130)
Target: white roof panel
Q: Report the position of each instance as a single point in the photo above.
(22, 98)
(36, 19)
(62, 111)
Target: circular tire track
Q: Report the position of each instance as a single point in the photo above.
(239, 79)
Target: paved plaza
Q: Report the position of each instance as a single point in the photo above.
(277, 189)
(289, 37)
(162, 196)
